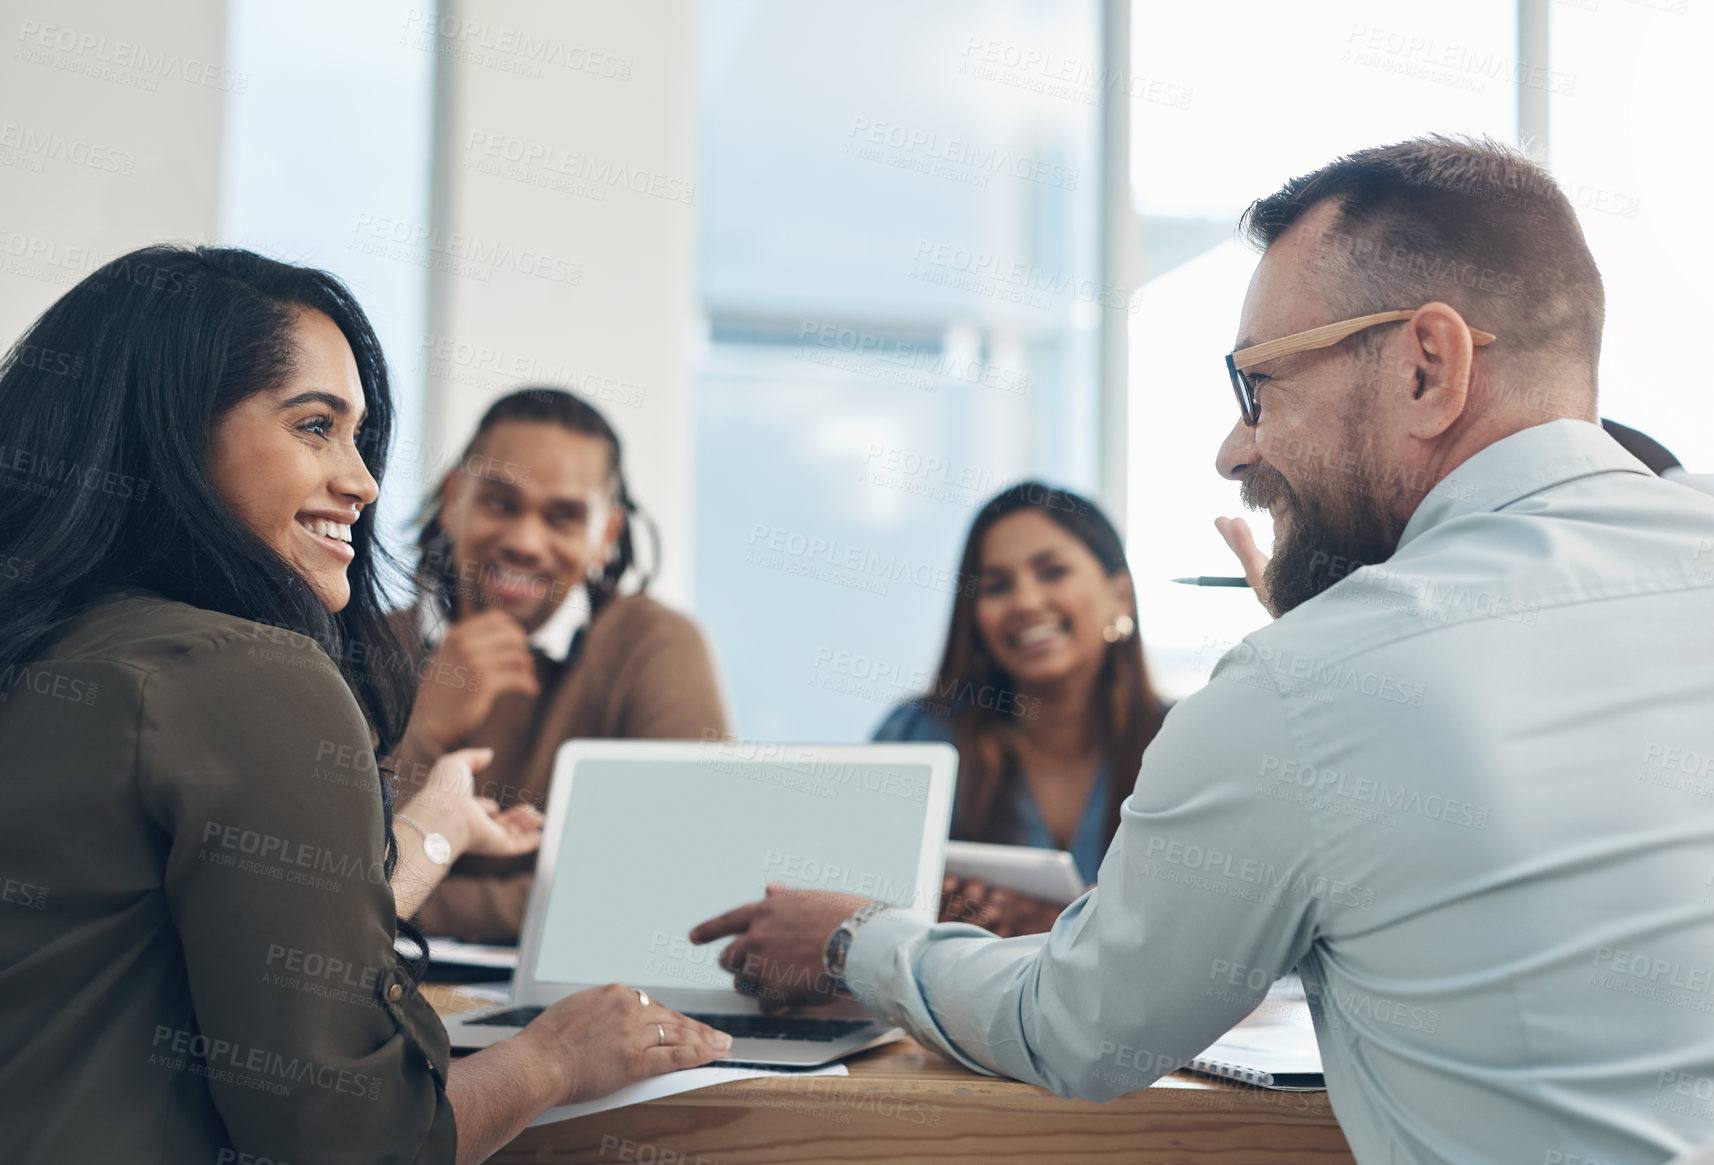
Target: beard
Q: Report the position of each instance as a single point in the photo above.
(1338, 521)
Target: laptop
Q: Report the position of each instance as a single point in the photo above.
(645, 839)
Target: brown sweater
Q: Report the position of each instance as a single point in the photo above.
(643, 672)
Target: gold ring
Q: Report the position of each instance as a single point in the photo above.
(662, 1032)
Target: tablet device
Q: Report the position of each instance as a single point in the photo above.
(1048, 874)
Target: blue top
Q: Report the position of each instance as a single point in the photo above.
(911, 722)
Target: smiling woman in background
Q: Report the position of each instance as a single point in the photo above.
(525, 640)
(1043, 690)
(197, 949)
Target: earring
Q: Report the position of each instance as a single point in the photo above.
(1119, 629)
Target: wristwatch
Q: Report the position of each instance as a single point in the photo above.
(435, 846)
(839, 943)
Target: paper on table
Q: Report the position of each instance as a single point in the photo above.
(451, 951)
(485, 994)
(672, 1083)
(1275, 1046)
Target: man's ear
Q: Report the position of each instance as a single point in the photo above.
(1438, 355)
(610, 536)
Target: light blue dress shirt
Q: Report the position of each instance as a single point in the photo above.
(1469, 792)
(912, 722)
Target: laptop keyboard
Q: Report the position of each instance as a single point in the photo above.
(816, 1029)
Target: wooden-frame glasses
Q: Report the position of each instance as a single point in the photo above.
(1325, 336)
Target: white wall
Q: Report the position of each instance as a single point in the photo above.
(110, 115)
(563, 241)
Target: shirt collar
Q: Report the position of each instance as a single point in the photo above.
(1514, 467)
(553, 638)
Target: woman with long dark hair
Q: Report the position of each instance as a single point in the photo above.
(197, 674)
(534, 626)
(1042, 688)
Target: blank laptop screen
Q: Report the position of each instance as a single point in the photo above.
(650, 848)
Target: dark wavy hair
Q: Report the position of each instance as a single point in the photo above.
(436, 570)
(1130, 713)
(126, 377)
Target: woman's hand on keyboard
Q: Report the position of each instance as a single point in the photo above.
(599, 1040)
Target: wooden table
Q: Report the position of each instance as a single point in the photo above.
(905, 1104)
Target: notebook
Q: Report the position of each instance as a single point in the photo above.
(1274, 1047)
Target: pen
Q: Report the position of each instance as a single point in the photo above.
(1214, 580)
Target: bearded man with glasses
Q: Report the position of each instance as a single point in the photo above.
(1462, 783)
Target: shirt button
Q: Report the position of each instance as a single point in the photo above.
(395, 993)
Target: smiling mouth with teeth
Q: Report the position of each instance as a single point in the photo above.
(1038, 633)
(514, 582)
(334, 531)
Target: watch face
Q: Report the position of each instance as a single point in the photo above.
(838, 943)
(437, 849)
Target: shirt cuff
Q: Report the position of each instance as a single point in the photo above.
(880, 970)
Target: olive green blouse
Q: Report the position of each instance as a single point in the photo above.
(196, 936)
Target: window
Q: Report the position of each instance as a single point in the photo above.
(330, 138)
(899, 270)
(1296, 87)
